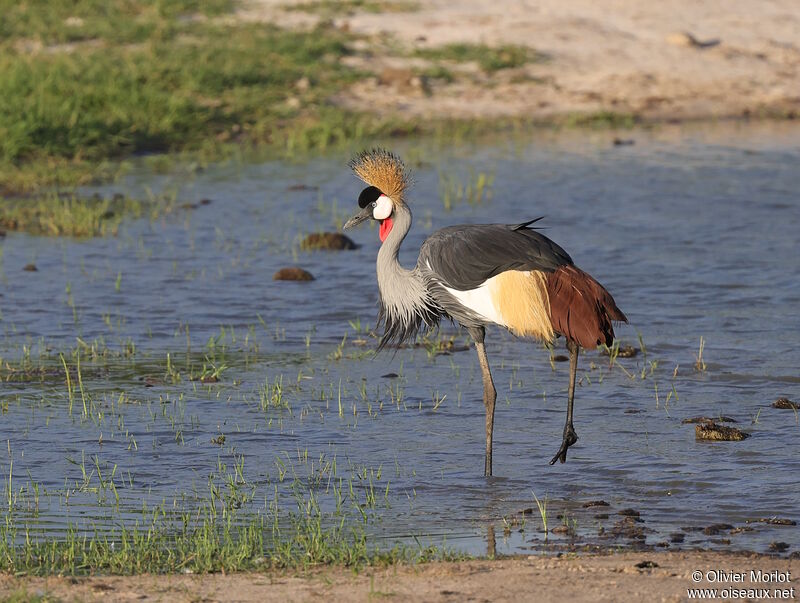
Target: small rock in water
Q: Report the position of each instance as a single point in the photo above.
(720, 433)
(30, 268)
(329, 241)
(632, 411)
(717, 528)
(562, 529)
(677, 537)
(293, 273)
(629, 513)
(624, 142)
(560, 358)
(390, 376)
(595, 503)
(721, 419)
(785, 404)
(778, 547)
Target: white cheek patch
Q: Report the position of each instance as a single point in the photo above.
(383, 208)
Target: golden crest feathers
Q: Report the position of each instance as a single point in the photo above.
(383, 170)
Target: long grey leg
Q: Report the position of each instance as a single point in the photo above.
(570, 437)
(489, 394)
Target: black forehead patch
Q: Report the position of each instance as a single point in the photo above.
(368, 195)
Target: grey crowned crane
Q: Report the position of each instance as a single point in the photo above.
(476, 275)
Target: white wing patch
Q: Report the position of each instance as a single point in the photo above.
(479, 300)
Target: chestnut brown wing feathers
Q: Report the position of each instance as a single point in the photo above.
(580, 307)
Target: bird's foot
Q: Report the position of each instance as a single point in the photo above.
(570, 437)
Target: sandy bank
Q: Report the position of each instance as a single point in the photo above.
(620, 577)
(669, 60)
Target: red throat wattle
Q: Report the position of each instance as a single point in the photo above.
(386, 227)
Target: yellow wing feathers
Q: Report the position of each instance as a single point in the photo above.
(521, 300)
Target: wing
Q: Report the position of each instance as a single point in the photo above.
(465, 256)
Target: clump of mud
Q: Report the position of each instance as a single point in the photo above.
(785, 404)
(624, 351)
(720, 433)
(327, 241)
(717, 528)
(292, 273)
(778, 521)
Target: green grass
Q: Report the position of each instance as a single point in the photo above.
(476, 188)
(88, 84)
(141, 80)
(58, 215)
(22, 596)
(212, 538)
(438, 72)
(599, 119)
(166, 95)
(212, 546)
(117, 21)
(489, 58)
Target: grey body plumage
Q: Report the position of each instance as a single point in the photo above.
(467, 255)
(457, 257)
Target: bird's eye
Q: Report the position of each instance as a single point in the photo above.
(374, 204)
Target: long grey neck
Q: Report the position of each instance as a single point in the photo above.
(388, 264)
(405, 302)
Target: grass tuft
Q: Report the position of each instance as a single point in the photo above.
(58, 215)
(489, 58)
(329, 8)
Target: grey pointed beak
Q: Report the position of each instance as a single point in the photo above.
(364, 214)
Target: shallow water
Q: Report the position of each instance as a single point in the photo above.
(693, 230)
